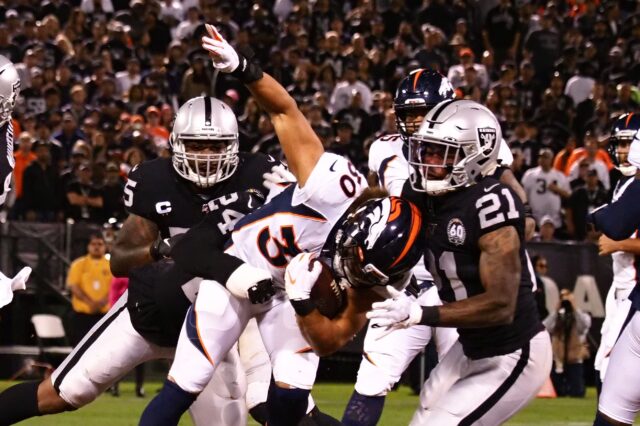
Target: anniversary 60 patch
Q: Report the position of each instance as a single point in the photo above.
(456, 232)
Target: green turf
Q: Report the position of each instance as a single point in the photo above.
(332, 398)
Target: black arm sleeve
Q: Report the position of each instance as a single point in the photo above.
(200, 253)
(620, 219)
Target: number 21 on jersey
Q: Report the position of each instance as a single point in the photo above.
(490, 211)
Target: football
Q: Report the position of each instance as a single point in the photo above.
(328, 296)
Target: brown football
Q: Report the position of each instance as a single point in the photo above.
(328, 296)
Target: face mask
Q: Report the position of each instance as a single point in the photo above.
(634, 151)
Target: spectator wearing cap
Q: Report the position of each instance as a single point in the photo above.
(344, 144)
(331, 52)
(69, 132)
(430, 55)
(78, 106)
(231, 98)
(33, 95)
(563, 101)
(544, 46)
(318, 124)
(528, 89)
(583, 201)
(456, 72)
(84, 199)
(196, 80)
(501, 33)
(158, 132)
(617, 70)
(7, 48)
(357, 117)
(624, 101)
(112, 192)
(562, 157)
(397, 68)
(186, 28)
(342, 94)
(597, 158)
(546, 188)
(547, 229)
(41, 187)
(130, 76)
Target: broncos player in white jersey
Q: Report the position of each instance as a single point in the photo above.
(298, 222)
(619, 401)
(475, 237)
(206, 177)
(9, 91)
(622, 252)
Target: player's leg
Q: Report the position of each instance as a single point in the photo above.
(294, 364)
(103, 356)
(211, 327)
(222, 401)
(620, 398)
(617, 310)
(491, 390)
(386, 356)
(257, 365)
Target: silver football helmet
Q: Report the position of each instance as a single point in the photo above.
(9, 89)
(457, 143)
(204, 139)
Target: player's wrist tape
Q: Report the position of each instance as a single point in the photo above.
(430, 315)
(527, 210)
(247, 71)
(303, 307)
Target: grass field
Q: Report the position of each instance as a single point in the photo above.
(332, 398)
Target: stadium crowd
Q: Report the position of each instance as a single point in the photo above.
(101, 80)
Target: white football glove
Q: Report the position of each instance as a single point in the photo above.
(298, 279)
(224, 57)
(398, 311)
(9, 285)
(278, 178)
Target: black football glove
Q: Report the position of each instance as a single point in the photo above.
(161, 247)
(261, 292)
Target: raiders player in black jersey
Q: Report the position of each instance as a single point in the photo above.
(475, 236)
(9, 90)
(206, 177)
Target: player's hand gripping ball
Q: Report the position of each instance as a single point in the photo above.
(326, 293)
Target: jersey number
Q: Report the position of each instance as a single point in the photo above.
(128, 192)
(285, 245)
(347, 183)
(542, 186)
(490, 203)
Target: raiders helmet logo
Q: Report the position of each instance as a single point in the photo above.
(487, 137)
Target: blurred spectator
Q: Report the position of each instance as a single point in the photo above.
(89, 280)
(85, 200)
(456, 73)
(196, 80)
(23, 157)
(547, 228)
(580, 86)
(41, 193)
(583, 201)
(502, 31)
(546, 188)
(568, 326)
(356, 116)
(597, 158)
(549, 286)
(343, 92)
(544, 45)
(562, 157)
(529, 147)
(130, 76)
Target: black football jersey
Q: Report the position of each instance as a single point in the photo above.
(156, 192)
(6, 160)
(455, 223)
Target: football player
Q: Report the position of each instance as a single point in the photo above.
(622, 252)
(297, 222)
(205, 177)
(9, 91)
(475, 251)
(619, 401)
(387, 354)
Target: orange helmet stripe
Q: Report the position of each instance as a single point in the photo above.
(416, 225)
(415, 78)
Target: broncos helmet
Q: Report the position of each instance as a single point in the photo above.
(418, 92)
(204, 122)
(9, 89)
(622, 132)
(456, 145)
(379, 243)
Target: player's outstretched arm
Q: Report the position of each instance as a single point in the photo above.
(300, 144)
(132, 247)
(620, 219)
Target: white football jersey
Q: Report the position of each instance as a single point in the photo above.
(624, 271)
(298, 219)
(387, 160)
(542, 201)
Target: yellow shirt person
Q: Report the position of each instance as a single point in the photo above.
(89, 279)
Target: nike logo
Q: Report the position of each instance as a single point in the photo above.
(376, 326)
(491, 187)
(332, 166)
(291, 279)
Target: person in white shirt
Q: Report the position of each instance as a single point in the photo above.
(341, 96)
(545, 188)
(580, 86)
(129, 77)
(456, 72)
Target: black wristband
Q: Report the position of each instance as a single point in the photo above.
(248, 71)
(430, 315)
(303, 307)
(527, 210)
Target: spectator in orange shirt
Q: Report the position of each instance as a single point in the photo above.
(562, 157)
(23, 156)
(590, 150)
(158, 133)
